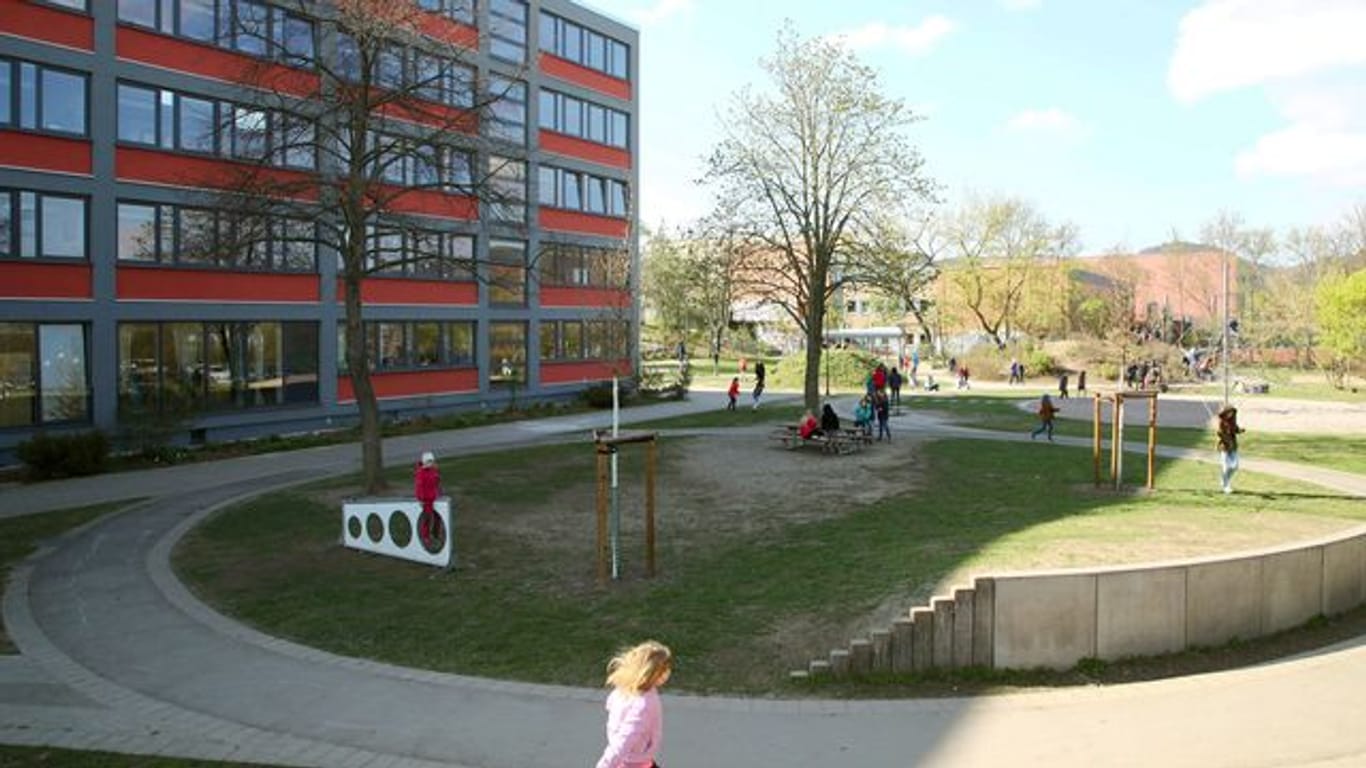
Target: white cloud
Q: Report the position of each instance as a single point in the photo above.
(1052, 120)
(1228, 44)
(1335, 157)
(1020, 5)
(915, 39)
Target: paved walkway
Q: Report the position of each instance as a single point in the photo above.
(117, 655)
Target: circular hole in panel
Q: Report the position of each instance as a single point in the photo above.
(374, 525)
(400, 530)
(353, 527)
(431, 531)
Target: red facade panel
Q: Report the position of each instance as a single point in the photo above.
(593, 152)
(589, 78)
(167, 284)
(391, 386)
(582, 223)
(44, 153)
(51, 25)
(209, 61)
(576, 296)
(431, 203)
(156, 167)
(576, 373)
(393, 290)
(453, 32)
(28, 280)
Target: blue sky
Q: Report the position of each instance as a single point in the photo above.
(1133, 119)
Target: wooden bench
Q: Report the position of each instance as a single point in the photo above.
(841, 443)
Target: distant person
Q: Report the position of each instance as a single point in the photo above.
(964, 378)
(1062, 386)
(880, 378)
(915, 362)
(808, 427)
(930, 384)
(863, 415)
(759, 374)
(830, 421)
(733, 393)
(880, 408)
(1047, 412)
(1014, 371)
(427, 489)
(894, 383)
(1081, 382)
(1228, 444)
(635, 714)
(953, 366)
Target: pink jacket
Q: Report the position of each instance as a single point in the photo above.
(635, 729)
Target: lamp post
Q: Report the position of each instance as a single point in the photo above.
(825, 352)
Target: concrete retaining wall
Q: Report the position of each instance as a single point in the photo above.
(1057, 618)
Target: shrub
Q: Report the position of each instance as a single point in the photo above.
(1039, 362)
(847, 368)
(598, 395)
(52, 456)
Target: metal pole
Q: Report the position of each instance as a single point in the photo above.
(1226, 351)
(616, 507)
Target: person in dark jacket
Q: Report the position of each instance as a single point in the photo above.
(830, 421)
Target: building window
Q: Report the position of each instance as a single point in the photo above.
(185, 368)
(78, 5)
(419, 253)
(507, 189)
(249, 26)
(565, 114)
(458, 10)
(583, 46)
(507, 272)
(584, 266)
(507, 35)
(508, 120)
(185, 236)
(562, 340)
(44, 377)
(572, 190)
(171, 120)
(38, 225)
(507, 353)
(42, 98)
(406, 346)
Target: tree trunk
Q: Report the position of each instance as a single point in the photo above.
(357, 364)
(815, 332)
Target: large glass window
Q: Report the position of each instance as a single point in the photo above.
(582, 46)
(507, 36)
(507, 188)
(137, 114)
(507, 272)
(185, 368)
(137, 232)
(565, 114)
(195, 236)
(197, 124)
(47, 99)
(35, 224)
(44, 377)
(507, 353)
(563, 188)
(197, 20)
(509, 109)
(142, 12)
(567, 264)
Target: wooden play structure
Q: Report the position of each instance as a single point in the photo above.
(606, 543)
(1117, 399)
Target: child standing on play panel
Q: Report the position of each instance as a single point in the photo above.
(635, 715)
(427, 487)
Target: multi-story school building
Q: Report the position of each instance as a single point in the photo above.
(114, 314)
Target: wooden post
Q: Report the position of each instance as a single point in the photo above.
(650, 508)
(1119, 442)
(1095, 436)
(1114, 441)
(1152, 437)
(603, 453)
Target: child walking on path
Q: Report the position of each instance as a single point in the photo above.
(635, 716)
(1046, 413)
(733, 393)
(1228, 444)
(880, 407)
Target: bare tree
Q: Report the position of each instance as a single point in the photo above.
(374, 141)
(997, 247)
(802, 174)
(902, 265)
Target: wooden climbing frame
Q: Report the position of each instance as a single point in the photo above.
(1116, 400)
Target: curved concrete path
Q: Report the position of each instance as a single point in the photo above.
(117, 655)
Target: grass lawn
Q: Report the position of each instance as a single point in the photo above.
(47, 757)
(21, 536)
(999, 411)
(750, 588)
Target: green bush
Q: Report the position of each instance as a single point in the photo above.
(848, 369)
(52, 456)
(1039, 363)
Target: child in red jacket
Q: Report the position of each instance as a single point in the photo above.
(733, 393)
(427, 487)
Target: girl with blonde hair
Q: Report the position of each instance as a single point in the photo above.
(635, 716)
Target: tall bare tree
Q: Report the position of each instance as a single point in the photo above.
(998, 246)
(374, 141)
(803, 172)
